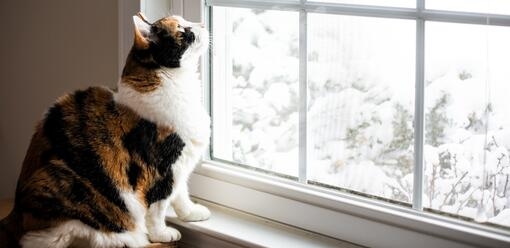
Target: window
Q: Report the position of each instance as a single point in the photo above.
(467, 122)
(480, 6)
(256, 88)
(404, 102)
(355, 96)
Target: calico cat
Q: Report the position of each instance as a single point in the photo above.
(102, 166)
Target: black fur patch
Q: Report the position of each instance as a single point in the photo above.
(142, 140)
(81, 158)
(133, 173)
(188, 36)
(167, 51)
(164, 50)
(169, 151)
(161, 189)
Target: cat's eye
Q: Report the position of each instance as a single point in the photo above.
(180, 28)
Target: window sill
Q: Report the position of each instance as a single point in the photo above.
(231, 228)
(336, 215)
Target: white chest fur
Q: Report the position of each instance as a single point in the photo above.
(177, 104)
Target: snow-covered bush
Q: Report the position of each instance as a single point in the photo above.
(361, 114)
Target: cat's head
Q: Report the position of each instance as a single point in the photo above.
(169, 42)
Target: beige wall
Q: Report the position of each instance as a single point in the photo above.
(48, 48)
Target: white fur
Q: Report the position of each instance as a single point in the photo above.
(176, 104)
(137, 210)
(155, 221)
(64, 235)
(76, 233)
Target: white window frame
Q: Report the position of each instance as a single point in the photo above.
(335, 214)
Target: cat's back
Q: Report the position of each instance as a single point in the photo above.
(76, 163)
(79, 126)
(91, 113)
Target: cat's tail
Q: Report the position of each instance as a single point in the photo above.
(10, 230)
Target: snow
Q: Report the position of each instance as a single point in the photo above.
(502, 219)
(361, 74)
(278, 96)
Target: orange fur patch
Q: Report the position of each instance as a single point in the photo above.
(164, 132)
(171, 25)
(139, 78)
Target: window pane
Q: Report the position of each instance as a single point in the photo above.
(388, 3)
(467, 132)
(481, 6)
(255, 87)
(361, 90)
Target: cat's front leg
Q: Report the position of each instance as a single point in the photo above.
(156, 226)
(188, 211)
(185, 209)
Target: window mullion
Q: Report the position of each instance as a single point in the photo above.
(303, 92)
(419, 124)
(207, 70)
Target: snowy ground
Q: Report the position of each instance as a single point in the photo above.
(361, 106)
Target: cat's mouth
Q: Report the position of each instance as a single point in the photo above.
(201, 41)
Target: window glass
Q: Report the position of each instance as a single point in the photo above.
(360, 112)
(255, 88)
(481, 6)
(467, 129)
(361, 104)
(389, 3)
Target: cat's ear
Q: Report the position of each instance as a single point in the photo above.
(142, 32)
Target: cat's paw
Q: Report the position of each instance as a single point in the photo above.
(166, 234)
(195, 213)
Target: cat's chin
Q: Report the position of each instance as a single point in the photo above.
(199, 48)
